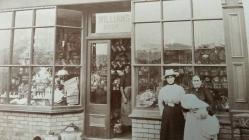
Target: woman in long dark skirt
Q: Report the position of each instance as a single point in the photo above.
(172, 124)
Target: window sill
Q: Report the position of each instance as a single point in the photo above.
(41, 109)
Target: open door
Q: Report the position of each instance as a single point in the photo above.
(97, 124)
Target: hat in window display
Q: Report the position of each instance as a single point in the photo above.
(170, 72)
(62, 72)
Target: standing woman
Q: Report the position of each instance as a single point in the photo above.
(172, 124)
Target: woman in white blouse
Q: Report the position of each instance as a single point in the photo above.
(172, 124)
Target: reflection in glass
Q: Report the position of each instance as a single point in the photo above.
(5, 46)
(99, 73)
(177, 10)
(200, 9)
(68, 46)
(148, 43)
(19, 87)
(24, 18)
(4, 78)
(152, 11)
(7, 18)
(45, 17)
(149, 79)
(41, 88)
(69, 17)
(178, 42)
(185, 76)
(67, 90)
(209, 42)
(21, 48)
(43, 46)
(215, 79)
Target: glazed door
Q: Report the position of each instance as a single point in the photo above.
(98, 92)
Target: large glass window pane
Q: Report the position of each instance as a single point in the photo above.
(43, 46)
(45, 17)
(209, 42)
(4, 84)
(177, 42)
(19, 87)
(24, 18)
(99, 73)
(68, 46)
(21, 48)
(152, 11)
(176, 9)
(69, 17)
(148, 83)
(148, 43)
(41, 87)
(67, 90)
(184, 78)
(5, 46)
(215, 79)
(6, 19)
(200, 8)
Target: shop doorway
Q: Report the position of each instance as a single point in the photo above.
(107, 108)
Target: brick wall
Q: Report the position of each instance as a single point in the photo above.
(145, 129)
(24, 126)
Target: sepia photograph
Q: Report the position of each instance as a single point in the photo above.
(124, 69)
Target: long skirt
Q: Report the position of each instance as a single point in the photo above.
(172, 124)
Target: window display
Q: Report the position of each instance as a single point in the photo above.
(149, 83)
(19, 87)
(68, 46)
(4, 85)
(40, 57)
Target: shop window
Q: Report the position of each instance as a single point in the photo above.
(7, 18)
(45, 59)
(176, 10)
(151, 12)
(5, 46)
(148, 43)
(67, 17)
(193, 44)
(43, 46)
(177, 43)
(48, 14)
(24, 18)
(200, 9)
(148, 85)
(21, 47)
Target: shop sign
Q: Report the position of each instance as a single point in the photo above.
(113, 22)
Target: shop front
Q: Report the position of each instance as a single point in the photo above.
(66, 63)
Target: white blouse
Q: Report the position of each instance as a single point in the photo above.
(170, 94)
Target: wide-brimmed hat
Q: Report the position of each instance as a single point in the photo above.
(190, 101)
(170, 72)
